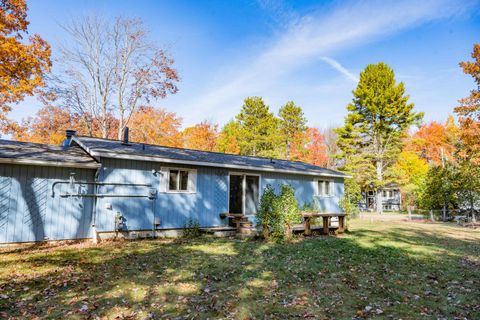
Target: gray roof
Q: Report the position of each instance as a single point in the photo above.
(138, 151)
(43, 154)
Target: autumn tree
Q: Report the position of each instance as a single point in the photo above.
(316, 151)
(228, 138)
(257, 127)
(434, 140)
(48, 126)
(378, 116)
(110, 67)
(292, 127)
(468, 111)
(156, 126)
(201, 136)
(410, 172)
(23, 63)
(331, 147)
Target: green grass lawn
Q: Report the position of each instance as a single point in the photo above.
(378, 270)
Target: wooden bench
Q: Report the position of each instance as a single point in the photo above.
(326, 217)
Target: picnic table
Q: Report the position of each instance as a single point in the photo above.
(326, 217)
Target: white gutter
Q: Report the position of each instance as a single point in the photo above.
(101, 154)
(50, 163)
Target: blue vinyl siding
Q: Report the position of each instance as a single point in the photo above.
(306, 189)
(29, 213)
(173, 209)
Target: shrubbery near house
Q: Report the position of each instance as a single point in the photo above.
(278, 213)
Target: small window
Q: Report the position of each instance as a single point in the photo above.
(178, 180)
(325, 188)
(384, 194)
(370, 193)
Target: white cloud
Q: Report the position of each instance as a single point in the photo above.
(311, 38)
(337, 66)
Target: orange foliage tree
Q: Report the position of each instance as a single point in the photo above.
(23, 64)
(156, 126)
(316, 150)
(49, 125)
(433, 139)
(202, 136)
(469, 111)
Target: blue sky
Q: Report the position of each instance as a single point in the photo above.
(310, 52)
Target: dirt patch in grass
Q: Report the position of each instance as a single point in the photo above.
(378, 270)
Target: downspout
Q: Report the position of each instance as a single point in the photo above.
(94, 213)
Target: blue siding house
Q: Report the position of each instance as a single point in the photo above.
(92, 187)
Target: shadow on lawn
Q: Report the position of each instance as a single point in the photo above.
(318, 277)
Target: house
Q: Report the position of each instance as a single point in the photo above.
(391, 198)
(92, 188)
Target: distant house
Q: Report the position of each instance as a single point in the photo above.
(93, 187)
(391, 198)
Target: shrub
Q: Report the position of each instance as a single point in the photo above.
(287, 207)
(352, 196)
(277, 214)
(265, 214)
(191, 229)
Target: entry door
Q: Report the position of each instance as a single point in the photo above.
(244, 193)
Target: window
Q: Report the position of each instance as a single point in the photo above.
(384, 194)
(178, 180)
(325, 188)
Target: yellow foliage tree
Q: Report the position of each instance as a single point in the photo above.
(23, 63)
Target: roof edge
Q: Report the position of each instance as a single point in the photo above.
(50, 163)
(117, 155)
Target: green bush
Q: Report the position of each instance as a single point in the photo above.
(191, 229)
(288, 209)
(352, 196)
(277, 214)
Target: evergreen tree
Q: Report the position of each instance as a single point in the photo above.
(292, 125)
(377, 117)
(257, 127)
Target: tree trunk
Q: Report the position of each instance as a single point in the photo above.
(379, 206)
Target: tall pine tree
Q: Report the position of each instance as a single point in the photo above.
(292, 125)
(257, 127)
(377, 117)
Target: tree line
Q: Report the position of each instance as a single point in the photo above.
(109, 75)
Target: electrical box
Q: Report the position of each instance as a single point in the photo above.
(108, 206)
(157, 222)
(152, 193)
(119, 222)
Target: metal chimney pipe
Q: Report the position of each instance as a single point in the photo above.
(68, 137)
(125, 136)
(69, 133)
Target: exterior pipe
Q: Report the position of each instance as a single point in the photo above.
(104, 195)
(94, 211)
(99, 184)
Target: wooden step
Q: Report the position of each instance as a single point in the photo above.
(246, 224)
(245, 230)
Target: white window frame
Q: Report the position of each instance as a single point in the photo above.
(191, 179)
(320, 193)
